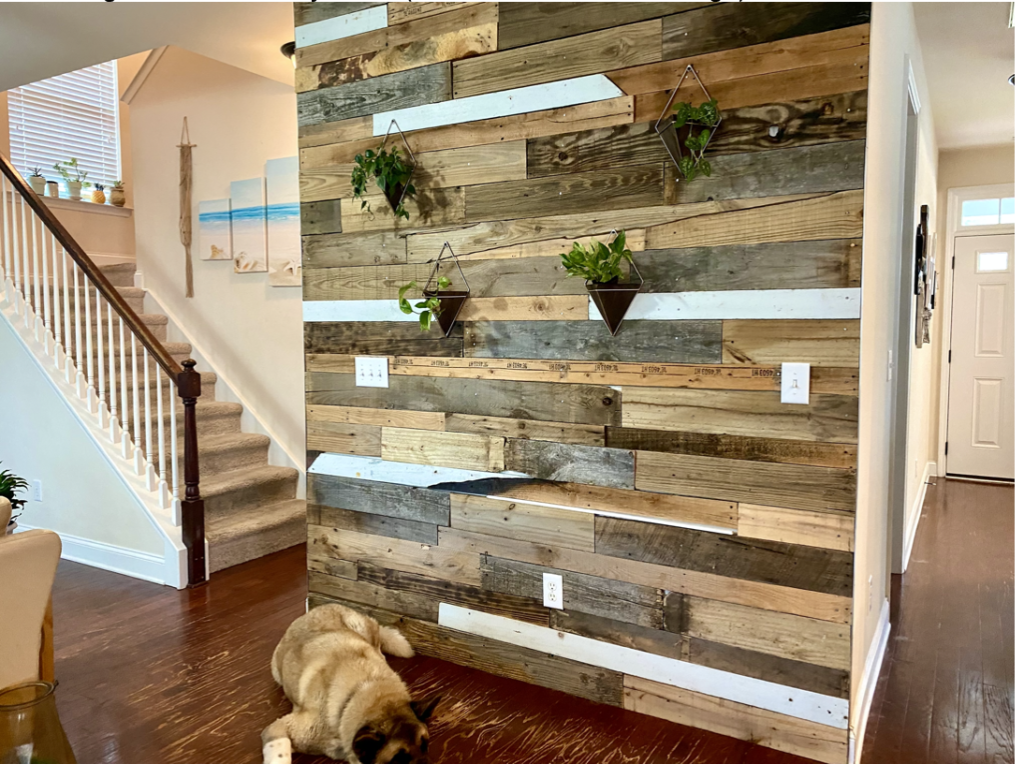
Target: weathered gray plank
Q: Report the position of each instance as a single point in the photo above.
(404, 502)
(599, 149)
(618, 632)
(378, 525)
(366, 593)
(655, 341)
(609, 467)
(528, 23)
(381, 338)
(320, 217)
(351, 249)
(310, 12)
(415, 87)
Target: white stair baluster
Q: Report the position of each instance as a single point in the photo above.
(175, 499)
(115, 434)
(148, 424)
(161, 458)
(26, 265)
(36, 303)
(67, 314)
(15, 253)
(79, 376)
(57, 327)
(5, 243)
(47, 286)
(88, 344)
(101, 362)
(125, 441)
(140, 462)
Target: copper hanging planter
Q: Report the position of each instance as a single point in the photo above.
(397, 196)
(666, 124)
(451, 300)
(613, 299)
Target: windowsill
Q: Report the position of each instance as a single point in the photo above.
(84, 206)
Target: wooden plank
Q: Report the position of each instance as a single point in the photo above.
(781, 599)
(827, 167)
(563, 308)
(399, 501)
(596, 149)
(828, 530)
(629, 603)
(805, 676)
(617, 632)
(824, 571)
(820, 343)
(780, 731)
(404, 473)
(530, 23)
(320, 218)
(786, 636)
(394, 554)
(635, 240)
(608, 467)
(827, 264)
(401, 13)
(375, 596)
(828, 418)
(662, 341)
(449, 46)
(419, 420)
(337, 27)
(428, 84)
(307, 13)
(380, 338)
(507, 605)
(836, 216)
(444, 449)
(758, 304)
(529, 429)
(348, 249)
(377, 525)
(622, 188)
(577, 404)
(335, 568)
(720, 27)
(577, 56)
(336, 132)
(430, 207)
(794, 486)
(343, 438)
(525, 522)
(748, 448)
(361, 282)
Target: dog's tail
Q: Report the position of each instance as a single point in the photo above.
(394, 643)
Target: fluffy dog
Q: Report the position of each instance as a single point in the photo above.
(347, 703)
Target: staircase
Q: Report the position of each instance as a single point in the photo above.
(251, 509)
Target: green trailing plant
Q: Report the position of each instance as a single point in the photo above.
(428, 308)
(700, 121)
(598, 262)
(71, 172)
(390, 172)
(10, 486)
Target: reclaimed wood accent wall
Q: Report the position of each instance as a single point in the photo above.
(703, 530)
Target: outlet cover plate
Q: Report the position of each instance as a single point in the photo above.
(552, 590)
(796, 383)
(36, 491)
(371, 371)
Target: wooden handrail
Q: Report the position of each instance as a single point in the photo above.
(92, 271)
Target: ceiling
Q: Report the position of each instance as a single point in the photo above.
(968, 56)
(40, 40)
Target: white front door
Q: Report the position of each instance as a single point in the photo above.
(981, 361)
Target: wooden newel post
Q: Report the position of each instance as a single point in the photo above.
(193, 521)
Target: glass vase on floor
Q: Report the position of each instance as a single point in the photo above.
(30, 730)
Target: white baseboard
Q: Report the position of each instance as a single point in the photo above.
(910, 528)
(117, 559)
(861, 708)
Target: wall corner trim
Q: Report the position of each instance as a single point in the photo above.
(860, 710)
(143, 74)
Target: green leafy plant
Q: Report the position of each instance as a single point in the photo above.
(700, 120)
(118, 184)
(390, 172)
(71, 172)
(598, 262)
(37, 172)
(428, 308)
(10, 486)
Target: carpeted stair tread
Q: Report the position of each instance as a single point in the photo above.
(121, 274)
(244, 536)
(238, 480)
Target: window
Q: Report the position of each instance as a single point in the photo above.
(71, 115)
(989, 262)
(984, 212)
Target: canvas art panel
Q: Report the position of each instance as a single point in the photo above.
(249, 225)
(284, 236)
(215, 229)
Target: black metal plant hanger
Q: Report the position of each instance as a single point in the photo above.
(394, 203)
(451, 300)
(667, 130)
(613, 300)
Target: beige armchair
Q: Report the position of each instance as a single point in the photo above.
(28, 564)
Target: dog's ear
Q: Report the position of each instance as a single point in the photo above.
(424, 709)
(367, 744)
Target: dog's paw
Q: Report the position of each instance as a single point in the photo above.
(277, 751)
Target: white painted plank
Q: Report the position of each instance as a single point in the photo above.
(418, 475)
(348, 25)
(355, 310)
(770, 696)
(504, 103)
(749, 304)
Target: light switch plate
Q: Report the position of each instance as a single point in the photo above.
(371, 371)
(796, 383)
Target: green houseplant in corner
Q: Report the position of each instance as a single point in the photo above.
(601, 265)
(389, 171)
(10, 486)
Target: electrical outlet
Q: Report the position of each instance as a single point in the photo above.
(796, 383)
(552, 591)
(371, 371)
(36, 491)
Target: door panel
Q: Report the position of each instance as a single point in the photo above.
(981, 366)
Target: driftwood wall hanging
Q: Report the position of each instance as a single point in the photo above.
(185, 202)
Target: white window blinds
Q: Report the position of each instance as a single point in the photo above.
(71, 115)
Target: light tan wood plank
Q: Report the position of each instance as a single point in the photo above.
(429, 208)
(344, 250)
(443, 449)
(523, 522)
(402, 12)
(528, 429)
(829, 530)
(564, 308)
(343, 438)
(361, 282)
(819, 343)
(354, 129)
(413, 420)
(725, 717)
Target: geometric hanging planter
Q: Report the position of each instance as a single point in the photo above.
(391, 173)
(396, 195)
(688, 155)
(450, 301)
(600, 265)
(613, 299)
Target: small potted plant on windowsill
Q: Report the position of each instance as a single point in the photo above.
(117, 194)
(10, 486)
(37, 181)
(74, 176)
(53, 189)
(600, 265)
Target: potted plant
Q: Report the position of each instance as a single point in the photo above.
(699, 123)
(74, 176)
(117, 194)
(389, 171)
(37, 181)
(10, 486)
(439, 303)
(98, 197)
(53, 189)
(601, 265)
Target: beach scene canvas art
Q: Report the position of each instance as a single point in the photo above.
(249, 225)
(215, 229)
(284, 236)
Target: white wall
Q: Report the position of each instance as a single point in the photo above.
(893, 42)
(250, 331)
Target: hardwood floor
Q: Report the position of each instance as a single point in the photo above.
(945, 693)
